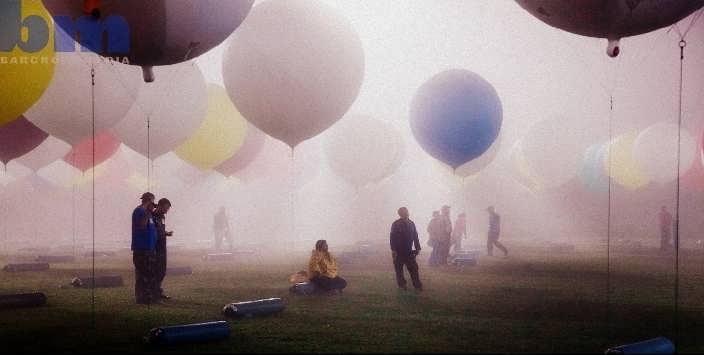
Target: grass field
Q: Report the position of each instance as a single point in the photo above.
(530, 302)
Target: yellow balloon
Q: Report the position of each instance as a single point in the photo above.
(26, 74)
(624, 169)
(221, 134)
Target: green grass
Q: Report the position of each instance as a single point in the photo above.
(530, 302)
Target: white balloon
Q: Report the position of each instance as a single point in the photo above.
(363, 150)
(655, 152)
(60, 173)
(275, 165)
(293, 68)
(49, 151)
(65, 109)
(175, 104)
(552, 150)
(12, 172)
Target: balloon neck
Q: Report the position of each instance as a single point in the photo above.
(148, 73)
(613, 48)
(92, 7)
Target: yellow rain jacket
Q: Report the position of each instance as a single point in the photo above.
(323, 263)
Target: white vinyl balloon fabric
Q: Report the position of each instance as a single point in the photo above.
(293, 68)
(60, 173)
(12, 172)
(655, 152)
(363, 150)
(277, 165)
(49, 151)
(65, 109)
(552, 152)
(175, 106)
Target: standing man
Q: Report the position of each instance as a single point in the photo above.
(460, 231)
(665, 228)
(434, 228)
(493, 235)
(143, 250)
(445, 235)
(162, 208)
(221, 228)
(403, 237)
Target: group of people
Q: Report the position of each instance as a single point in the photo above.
(149, 248)
(443, 235)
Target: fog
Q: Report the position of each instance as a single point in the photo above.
(285, 201)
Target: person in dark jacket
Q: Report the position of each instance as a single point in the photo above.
(162, 208)
(493, 234)
(403, 237)
(143, 250)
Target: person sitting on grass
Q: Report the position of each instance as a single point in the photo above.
(322, 269)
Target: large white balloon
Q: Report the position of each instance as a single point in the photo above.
(552, 151)
(363, 150)
(49, 151)
(655, 152)
(60, 173)
(293, 68)
(175, 105)
(65, 109)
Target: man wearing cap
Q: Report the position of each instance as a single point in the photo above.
(144, 236)
(162, 208)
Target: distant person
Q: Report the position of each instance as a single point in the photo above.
(445, 240)
(162, 208)
(665, 219)
(221, 228)
(434, 231)
(459, 232)
(144, 237)
(322, 269)
(402, 238)
(494, 231)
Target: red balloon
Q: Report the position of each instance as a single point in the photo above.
(81, 155)
(18, 138)
(252, 146)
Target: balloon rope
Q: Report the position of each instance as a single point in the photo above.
(92, 95)
(608, 225)
(73, 206)
(149, 157)
(292, 207)
(682, 45)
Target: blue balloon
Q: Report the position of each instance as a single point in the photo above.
(456, 116)
(592, 174)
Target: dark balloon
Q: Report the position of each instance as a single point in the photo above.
(154, 32)
(18, 138)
